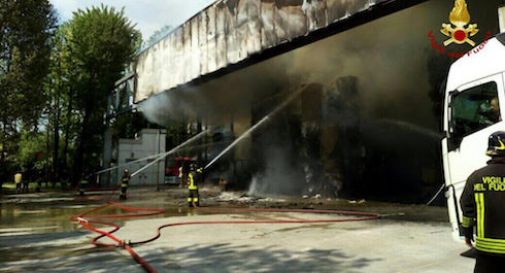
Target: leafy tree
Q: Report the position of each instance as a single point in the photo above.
(60, 105)
(102, 42)
(31, 156)
(26, 28)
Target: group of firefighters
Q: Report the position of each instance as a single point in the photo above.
(190, 175)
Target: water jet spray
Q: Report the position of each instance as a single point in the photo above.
(180, 146)
(257, 125)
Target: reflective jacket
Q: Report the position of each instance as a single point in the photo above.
(18, 177)
(483, 206)
(194, 177)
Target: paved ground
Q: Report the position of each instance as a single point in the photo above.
(36, 236)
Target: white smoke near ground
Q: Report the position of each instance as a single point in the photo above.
(279, 177)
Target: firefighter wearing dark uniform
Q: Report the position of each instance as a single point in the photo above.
(194, 177)
(483, 206)
(125, 180)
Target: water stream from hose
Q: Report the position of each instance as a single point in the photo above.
(263, 121)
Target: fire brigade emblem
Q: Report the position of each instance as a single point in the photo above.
(459, 30)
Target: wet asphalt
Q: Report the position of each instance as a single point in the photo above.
(38, 235)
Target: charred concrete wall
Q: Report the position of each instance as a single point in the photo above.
(231, 31)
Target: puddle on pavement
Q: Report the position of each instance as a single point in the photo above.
(41, 228)
(27, 215)
(49, 213)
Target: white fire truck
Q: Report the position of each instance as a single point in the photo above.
(474, 108)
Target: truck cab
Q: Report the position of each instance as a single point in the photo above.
(474, 108)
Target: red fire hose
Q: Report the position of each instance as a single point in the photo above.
(87, 221)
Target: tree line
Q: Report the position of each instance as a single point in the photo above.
(55, 79)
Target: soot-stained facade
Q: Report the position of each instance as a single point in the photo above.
(231, 32)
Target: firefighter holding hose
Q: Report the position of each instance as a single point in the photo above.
(194, 178)
(125, 180)
(483, 206)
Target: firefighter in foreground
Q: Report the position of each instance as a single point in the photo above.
(195, 176)
(125, 180)
(483, 206)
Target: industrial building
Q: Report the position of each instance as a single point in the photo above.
(370, 73)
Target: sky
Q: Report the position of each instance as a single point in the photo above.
(148, 15)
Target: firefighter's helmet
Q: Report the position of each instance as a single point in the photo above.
(126, 171)
(496, 144)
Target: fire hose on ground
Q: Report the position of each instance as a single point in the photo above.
(89, 221)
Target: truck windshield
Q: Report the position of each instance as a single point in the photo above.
(474, 109)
